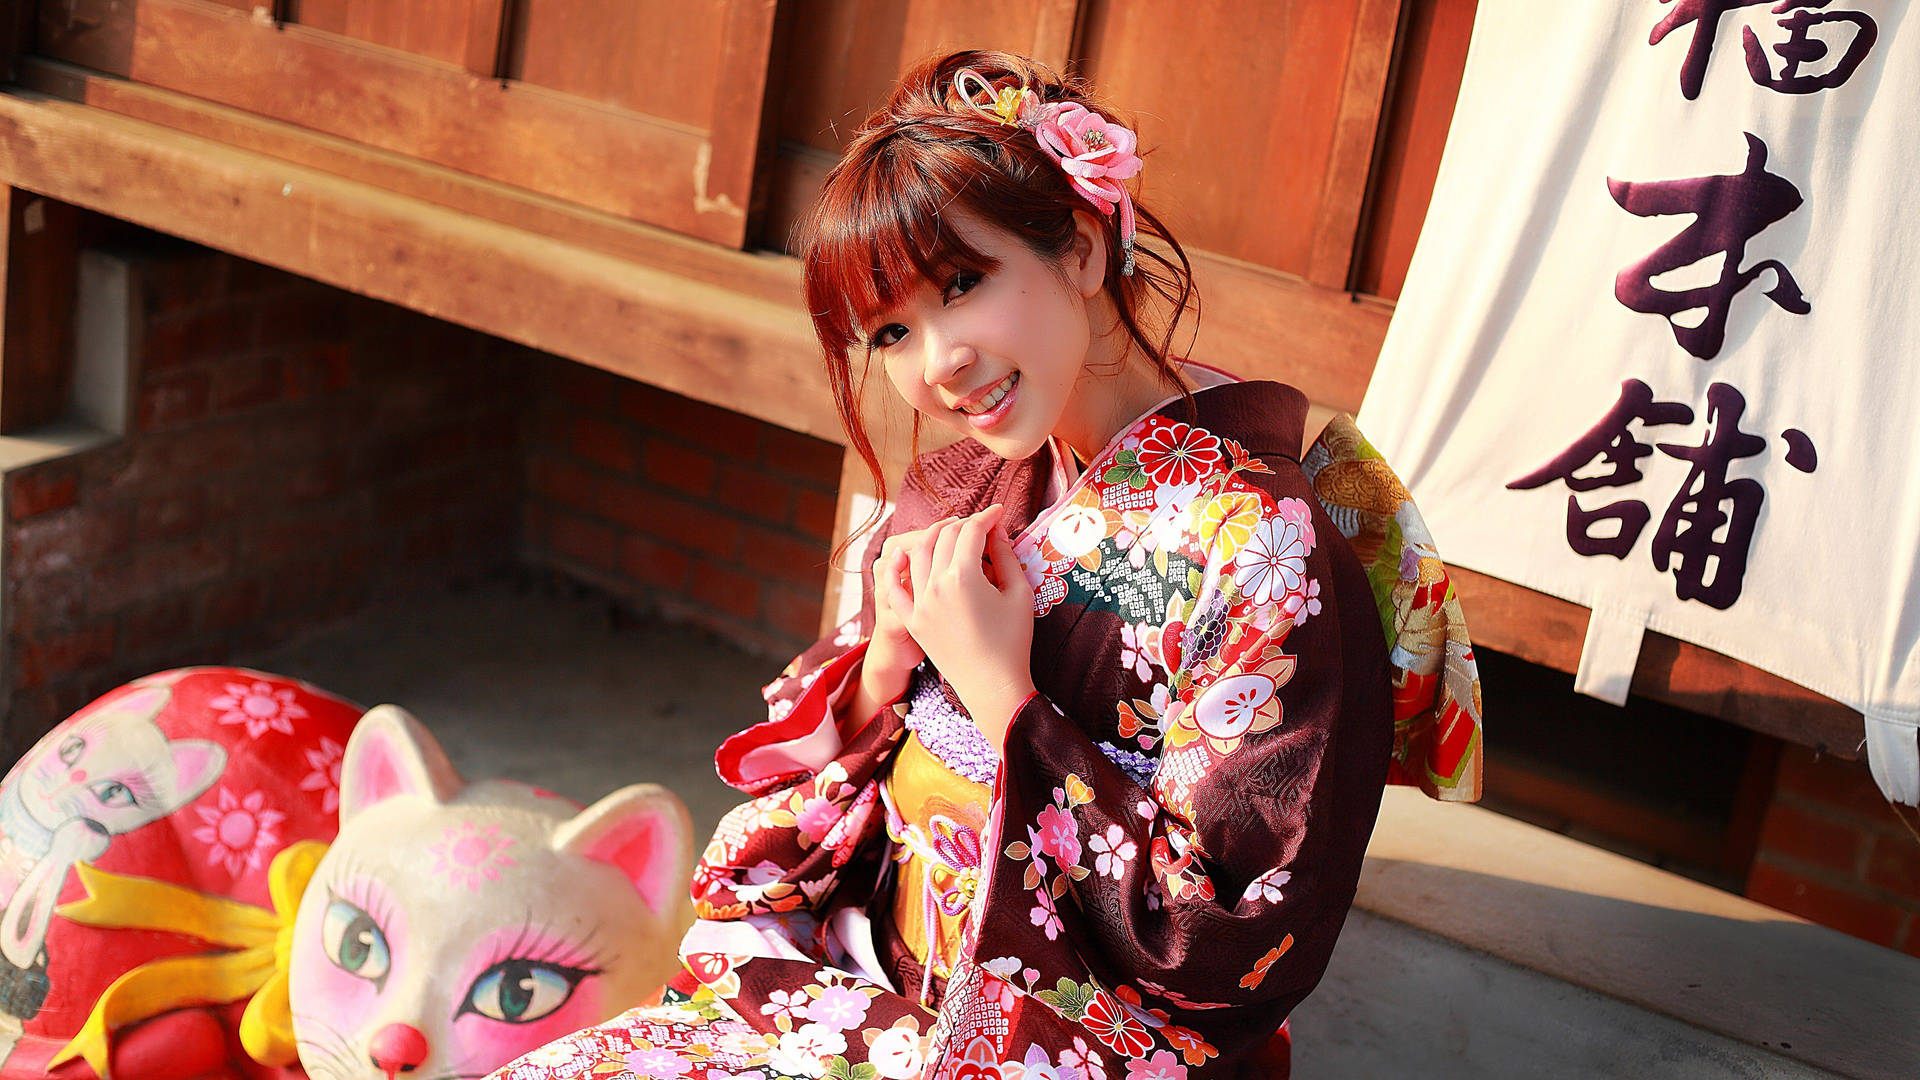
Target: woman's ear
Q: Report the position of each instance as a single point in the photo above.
(1087, 260)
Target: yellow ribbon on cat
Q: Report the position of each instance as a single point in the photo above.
(260, 941)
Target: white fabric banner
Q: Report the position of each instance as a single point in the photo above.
(1658, 352)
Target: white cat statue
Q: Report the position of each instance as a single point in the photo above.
(452, 928)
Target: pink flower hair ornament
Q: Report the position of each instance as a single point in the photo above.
(1094, 152)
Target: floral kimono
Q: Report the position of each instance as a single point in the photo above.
(1151, 873)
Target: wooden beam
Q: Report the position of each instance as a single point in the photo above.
(724, 173)
(610, 159)
(487, 37)
(699, 340)
(1343, 191)
(764, 277)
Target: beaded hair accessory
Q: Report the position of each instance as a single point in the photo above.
(1094, 152)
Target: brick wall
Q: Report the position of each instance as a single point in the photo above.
(699, 514)
(291, 452)
(1833, 851)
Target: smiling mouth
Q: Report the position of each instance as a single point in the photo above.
(991, 398)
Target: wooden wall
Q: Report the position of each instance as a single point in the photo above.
(1293, 144)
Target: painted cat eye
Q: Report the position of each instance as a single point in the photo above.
(354, 942)
(112, 793)
(520, 991)
(71, 749)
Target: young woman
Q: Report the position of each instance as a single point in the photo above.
(1083, 790)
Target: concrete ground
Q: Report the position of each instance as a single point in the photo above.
(546, 684)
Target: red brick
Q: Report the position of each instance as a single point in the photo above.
(248, 384)
(1811, 838)
(42, 661)
(268, 538)
(604, 443)
(585, 387)
(563, 482)
(1845, 911)
(750, 490)
(43, 604)
(728, 590)
(76, 538)
(685, 523)
(245, 278)
(212, 448)
(147, 630)
(231, 602)
(32, 491)
(321, 369)
(165, 513)
(584, 539)
(813, 513)
(803, 456)
(1893, 864)
(191, 340)
(724, 432)
(175, 567)
(304, 316)
(794, 612)
(780, 556)
(679, 468)
(652, 563)
(1841, 785)
(177, 284)
(172, 400)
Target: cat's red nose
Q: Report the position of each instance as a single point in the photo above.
(397, 1048)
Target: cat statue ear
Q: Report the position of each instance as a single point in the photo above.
(392, 754)
(643, 831)
(197, 763)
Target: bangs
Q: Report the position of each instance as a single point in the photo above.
(880, 230)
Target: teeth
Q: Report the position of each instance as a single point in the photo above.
(993, 397)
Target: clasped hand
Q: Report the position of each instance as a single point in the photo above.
(955, 592)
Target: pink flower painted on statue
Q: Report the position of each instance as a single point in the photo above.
(238, 831)
(1095, 152)
(470, 854)
(324, 760)
(258, 705)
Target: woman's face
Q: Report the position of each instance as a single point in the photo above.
(994, 356)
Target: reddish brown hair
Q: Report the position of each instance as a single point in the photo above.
(875, 235)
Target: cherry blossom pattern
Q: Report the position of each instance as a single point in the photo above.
(324, 760)
(1113, 850)
(1255, 977)
(1267, 886)
(470, 855)
(260, 706)
(238, 830)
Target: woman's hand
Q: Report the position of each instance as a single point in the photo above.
(892, 654)
(978, 631)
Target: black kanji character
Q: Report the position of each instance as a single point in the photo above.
(1728, 210)
(1799, 48)
(1802, 48)
(1707, 502)
(1611, 440)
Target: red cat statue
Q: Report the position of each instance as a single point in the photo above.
(150, 821)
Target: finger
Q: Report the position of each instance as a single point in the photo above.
(891, 593)
(970, 544)
(943, 545)
(1006, 564)
(920, 555)
(891, 569)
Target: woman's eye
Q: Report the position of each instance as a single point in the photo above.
(113, 793)
(521, 991)
(885, 336)
(964, 283)
(354, 941)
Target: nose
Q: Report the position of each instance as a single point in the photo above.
(946, 359)
(397, 1048)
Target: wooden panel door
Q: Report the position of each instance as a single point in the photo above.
(648, 109)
